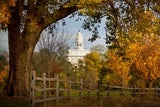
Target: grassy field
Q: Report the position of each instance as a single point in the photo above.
(85, 94)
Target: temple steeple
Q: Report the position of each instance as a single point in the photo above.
(74, 55)
(79, 41)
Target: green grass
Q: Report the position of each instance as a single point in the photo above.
(38, 94)
(74, 94)
(85, 94)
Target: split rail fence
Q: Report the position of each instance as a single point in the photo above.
(91, 90)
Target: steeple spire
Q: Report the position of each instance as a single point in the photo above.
(79, 41)
(79, 30)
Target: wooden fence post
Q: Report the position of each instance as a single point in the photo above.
(57, 88)
(69, 92)
(122, 93)
(81, 87)
(108, 94)
(89, 91)
(134, 91)
(98, 91)
(157, 91)
(44, 87)
(32, 87)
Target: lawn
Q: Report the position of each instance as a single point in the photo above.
(85, 94)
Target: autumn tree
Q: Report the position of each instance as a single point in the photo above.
(133, 49)
(103, 53)
(93, 66)
(26, 19)
(146, 57)
(120, 66)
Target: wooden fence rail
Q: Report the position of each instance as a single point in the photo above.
(109, 89)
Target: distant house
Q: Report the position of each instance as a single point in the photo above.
(79, 52)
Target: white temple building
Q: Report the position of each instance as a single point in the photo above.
(79, 52)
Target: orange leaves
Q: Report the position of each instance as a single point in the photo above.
(146, 56)
(3, 75)
(119, 66)
(150, 60)
(5, 11)
(55, 69)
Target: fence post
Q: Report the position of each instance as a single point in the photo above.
(99, 85)
(32, 87)
(69, 92)
(134, 91)
(108, 94)
(157, 91)
(89, 91)
(122, 93)
(57, 88)
(81, 87)
(44, 87)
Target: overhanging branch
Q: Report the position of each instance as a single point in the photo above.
(59, 14)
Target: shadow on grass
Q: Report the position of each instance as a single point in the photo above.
(14, 102)
(85, 102)
(112, 102)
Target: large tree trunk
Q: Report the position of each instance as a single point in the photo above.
(18, 82)
(20, 65)
(21, 46)
(20, 52)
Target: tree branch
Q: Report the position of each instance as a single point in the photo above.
(59, 14)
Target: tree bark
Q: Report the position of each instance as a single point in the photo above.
(20, 51)
(21, 46)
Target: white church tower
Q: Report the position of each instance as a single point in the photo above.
(79, 52)
(79, 41)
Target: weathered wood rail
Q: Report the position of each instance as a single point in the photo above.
(83, 87)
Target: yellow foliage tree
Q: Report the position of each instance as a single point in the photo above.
(139, 46)
(146, 56)
(120, 66)
(93, 65)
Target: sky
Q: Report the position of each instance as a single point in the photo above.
(72, 27)
(3, 40)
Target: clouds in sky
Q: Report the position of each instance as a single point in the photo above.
(3, 40)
